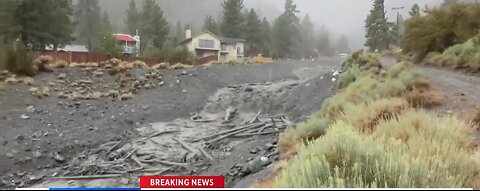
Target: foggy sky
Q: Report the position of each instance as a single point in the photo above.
(339, 16)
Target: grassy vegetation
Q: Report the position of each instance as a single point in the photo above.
(375, 133)
(460, 56)
(440, 28)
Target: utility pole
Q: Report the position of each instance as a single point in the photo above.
(398, 23)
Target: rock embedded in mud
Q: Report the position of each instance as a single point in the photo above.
(37, 154)
(23, 116)
(62, 76)
(269, 146)
(31, 109)
(10, 155)
(113, 93)
(230, 113)
(97, 73)
(59, 158)
(20, 138)
(255, 165)
(126, 96)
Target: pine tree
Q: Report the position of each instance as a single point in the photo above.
(232, 18)
(307, 47)
(286, 32)
(149, 50)
(132, 20)
(379, 33)
(179, 32)
(253, 34)
(415, 11)
(106, 43)
(342, 45)
(323, 42)
(210, 24)
(154, 26)
(40, 22)
(266, 46)
(88, 17)
(7, 27)
(167, 51)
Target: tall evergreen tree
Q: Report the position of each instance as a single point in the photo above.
(266, 46)
(415, 11)
(88, 18)
(378, 29)
(232, 18)
(106, 43)
(253, 34)
(286, 32)
(7, 29)
(167, 50)
(323, 42)
(211, 25)
(149, 50)
(179, 32)
(39, 22)
(132, 20)
(154, 26)
(307, 47)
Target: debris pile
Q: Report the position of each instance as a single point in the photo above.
(93, 85)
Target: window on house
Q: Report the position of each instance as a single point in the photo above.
(202, 43)
(239, 51)
(224, 47)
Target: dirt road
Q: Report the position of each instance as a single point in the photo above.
(461, 91)
(59, 137)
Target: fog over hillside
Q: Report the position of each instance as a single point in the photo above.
(339, 16)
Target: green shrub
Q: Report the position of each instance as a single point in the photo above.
(346, 159)
(474, 63)
(362, 90)
(441, 28)
(365, 61)
(350, 76)
(18, 59)
(332, 107)
(182, 55)
(365, 117)
(313, 128)
(340, 159)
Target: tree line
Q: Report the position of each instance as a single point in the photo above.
(56, 23)
(287, 37)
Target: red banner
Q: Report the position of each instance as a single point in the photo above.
(182, 182)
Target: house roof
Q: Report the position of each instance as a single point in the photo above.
(231, 40)
(222, 39)
(125, 37)
(69, 48)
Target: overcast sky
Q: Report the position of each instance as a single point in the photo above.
(340, 16)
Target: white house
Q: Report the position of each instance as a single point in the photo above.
(208, 44)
